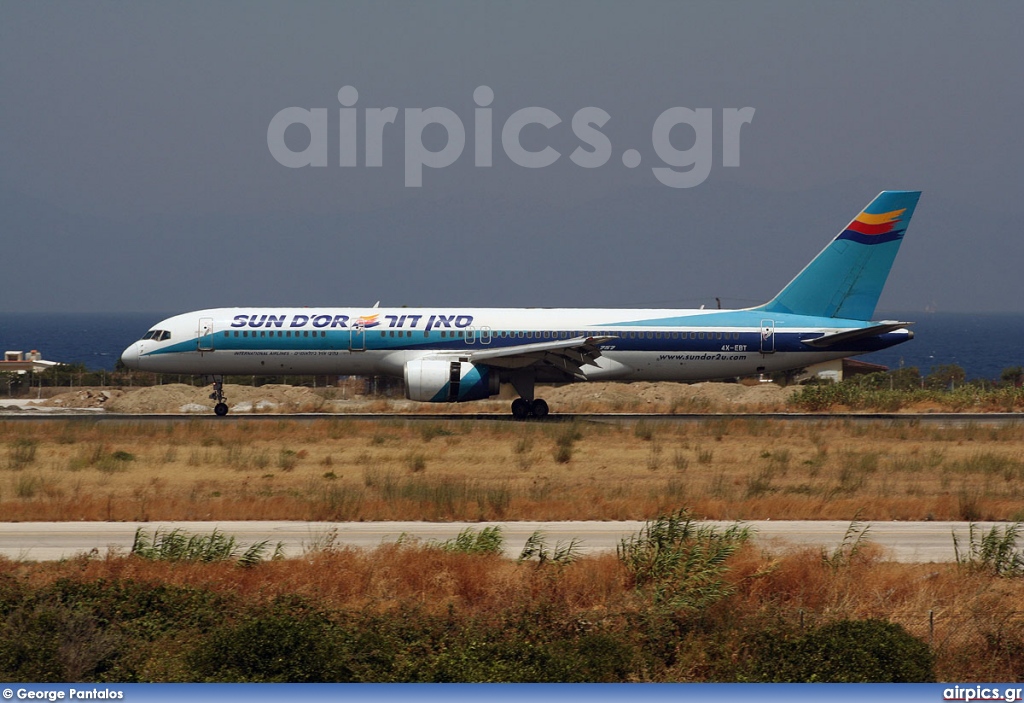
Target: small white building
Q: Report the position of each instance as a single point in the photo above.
(20, 362)
(838, 369)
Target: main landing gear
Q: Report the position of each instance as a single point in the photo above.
(523, 408)
(526, 406)
(221, 408)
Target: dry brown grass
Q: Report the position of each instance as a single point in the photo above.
(338, 469)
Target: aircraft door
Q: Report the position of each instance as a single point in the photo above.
(485, 335)
(204, 336)
(767, 336)
(357, 338)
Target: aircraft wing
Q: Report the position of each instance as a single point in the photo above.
(567, 356)
(829, 340)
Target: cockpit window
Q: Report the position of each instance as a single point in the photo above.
(157, 335)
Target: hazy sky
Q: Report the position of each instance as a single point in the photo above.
(135, 172)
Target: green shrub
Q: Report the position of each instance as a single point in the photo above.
(469, 541)
(680, 562)
(279, 647)
(177, 545)
(53, 642)
(994, 551)
(536, 547)
(98, 630)
(847, 651)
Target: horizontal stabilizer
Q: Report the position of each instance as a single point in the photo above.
(830, 340)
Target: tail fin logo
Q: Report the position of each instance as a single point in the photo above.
(868, 228)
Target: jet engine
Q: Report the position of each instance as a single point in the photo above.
(438, 381)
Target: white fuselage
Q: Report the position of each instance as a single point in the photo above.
(650, 345)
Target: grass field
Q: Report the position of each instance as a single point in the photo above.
(338, 469)
(409, 611)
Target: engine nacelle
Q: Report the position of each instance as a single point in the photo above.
(435, 381)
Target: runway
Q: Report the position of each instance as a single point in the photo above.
(930, 419)
(920, 542)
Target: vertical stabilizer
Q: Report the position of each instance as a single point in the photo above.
(846, 278)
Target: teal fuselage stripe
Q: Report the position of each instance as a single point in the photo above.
(625, 339)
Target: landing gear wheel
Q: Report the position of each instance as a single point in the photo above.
(221, 408)
(520, 409)
(539, 409)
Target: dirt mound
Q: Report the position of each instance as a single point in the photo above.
(667, 397)
(83, 398)
(181, 398)
(662, 397)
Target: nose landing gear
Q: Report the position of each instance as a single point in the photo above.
(221, 408)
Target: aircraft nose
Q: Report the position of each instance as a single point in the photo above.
(130, 356)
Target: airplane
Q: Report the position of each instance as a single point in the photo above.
(455, 354)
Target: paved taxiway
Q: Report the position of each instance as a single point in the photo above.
(43, 541)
